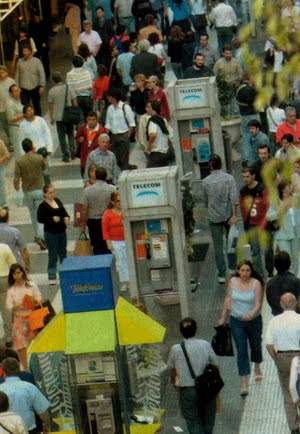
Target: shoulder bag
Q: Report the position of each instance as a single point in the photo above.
(208, 384)
(71, 114)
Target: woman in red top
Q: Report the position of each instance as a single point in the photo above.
(100, 87)
(113, 233)
(157, 93)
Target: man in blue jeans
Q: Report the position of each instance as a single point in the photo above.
(221, 199)
(200, 418)
(60, 96)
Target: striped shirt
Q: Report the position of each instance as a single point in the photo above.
(103, 159)
(220, 195)
(200, 354)
(81, 81)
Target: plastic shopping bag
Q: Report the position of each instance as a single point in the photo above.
(232, 239)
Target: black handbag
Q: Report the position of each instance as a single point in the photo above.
(43, 152)
(272, 225)
(71, 114)
(222, 342)
(208, 384)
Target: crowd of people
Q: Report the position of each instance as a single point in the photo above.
(114, 93)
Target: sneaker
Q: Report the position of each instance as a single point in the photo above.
(52, 282)
(66, 160)
(124, 286)
(41, 243)
(73, 156)
(221, 280)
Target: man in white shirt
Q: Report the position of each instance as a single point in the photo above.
(90, 37)
(157, 132)
(35, 128)
(120, 123)
(225, 21)
(282, 341)
(200, 418)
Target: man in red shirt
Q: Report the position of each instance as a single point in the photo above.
(254, 205)
(290, 126)
(87, 138)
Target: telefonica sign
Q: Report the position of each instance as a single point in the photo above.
(191, 97)
(147, 193)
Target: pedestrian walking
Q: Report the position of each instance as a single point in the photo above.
(199, 418)
(53, 215)
(244, 302)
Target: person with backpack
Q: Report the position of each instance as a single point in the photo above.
(157, 133)
(120, 37)
(120, 123)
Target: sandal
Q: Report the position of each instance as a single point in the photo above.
(258, 377)
(244, 390)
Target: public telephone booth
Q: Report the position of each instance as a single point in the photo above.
(154, 233)
(196, 122)
(93, 358)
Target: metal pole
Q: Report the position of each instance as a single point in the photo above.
(40, 9)
(1, 46)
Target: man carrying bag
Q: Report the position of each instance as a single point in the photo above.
(199, 416)
(64, 111)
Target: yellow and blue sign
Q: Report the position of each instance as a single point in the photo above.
(86, 283)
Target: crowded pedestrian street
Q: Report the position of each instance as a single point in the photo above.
(149, 202)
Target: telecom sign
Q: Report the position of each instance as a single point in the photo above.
(148, 193)
(191, 96)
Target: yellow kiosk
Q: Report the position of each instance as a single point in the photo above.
(109, 355)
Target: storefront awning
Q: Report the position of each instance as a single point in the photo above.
(90, 332)
(76, 333)
(51, 338)
(135, 327)
(95, 331)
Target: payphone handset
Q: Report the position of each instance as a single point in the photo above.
(158, 252)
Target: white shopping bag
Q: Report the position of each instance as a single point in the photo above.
(18, 197)
(233, 237)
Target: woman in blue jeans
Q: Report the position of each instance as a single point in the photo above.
(55, 218)
(244, 301)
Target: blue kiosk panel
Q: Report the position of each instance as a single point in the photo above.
(86, 283)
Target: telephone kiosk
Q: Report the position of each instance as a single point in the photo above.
(196, 123)
(154, 233)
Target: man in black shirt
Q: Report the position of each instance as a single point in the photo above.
(254, 205)
(198, 70)
(282, 283)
